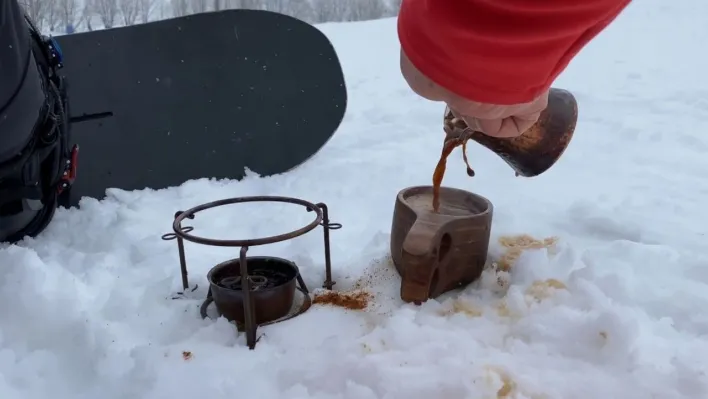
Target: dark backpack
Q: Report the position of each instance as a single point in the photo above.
(38, 179)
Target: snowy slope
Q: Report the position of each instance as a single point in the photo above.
(87, 311)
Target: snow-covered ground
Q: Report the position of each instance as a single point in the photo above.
(617, 308)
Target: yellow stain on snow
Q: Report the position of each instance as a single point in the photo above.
(460, 306)
(544, 289)
(516, 245)
(509, 388)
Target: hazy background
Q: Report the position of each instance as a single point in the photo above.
(69, 16)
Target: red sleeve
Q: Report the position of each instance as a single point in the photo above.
(499, 51)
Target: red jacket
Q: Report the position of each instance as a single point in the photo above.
(499, 51)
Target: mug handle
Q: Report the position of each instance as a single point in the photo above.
(420, 257)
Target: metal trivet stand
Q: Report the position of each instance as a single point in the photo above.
(249, 284)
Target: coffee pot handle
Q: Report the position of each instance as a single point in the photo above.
(535, 151)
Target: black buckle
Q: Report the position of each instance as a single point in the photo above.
(69, 175)
(55, 57)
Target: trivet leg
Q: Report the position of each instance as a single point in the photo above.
(180, 249)
(328, 283)
(301, 281)
(248, 308)
(183, 263)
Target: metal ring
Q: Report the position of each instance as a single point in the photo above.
(172, 236)
(176, 226)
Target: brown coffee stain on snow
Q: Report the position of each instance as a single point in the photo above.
(461, 306)
(355, 300)
(509, 388)
(502, 266)
(541, 290)
(516, 245)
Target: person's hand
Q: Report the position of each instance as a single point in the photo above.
(498, 120)
(490, 119)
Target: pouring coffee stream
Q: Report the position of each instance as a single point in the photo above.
(444, 248)
(530, 154)
(449, 144)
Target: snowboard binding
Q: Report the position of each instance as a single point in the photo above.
(38, 180)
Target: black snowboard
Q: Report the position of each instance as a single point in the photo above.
(206, 95)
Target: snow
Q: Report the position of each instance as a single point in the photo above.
(616, 308)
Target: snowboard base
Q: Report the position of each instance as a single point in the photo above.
(206, 95)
